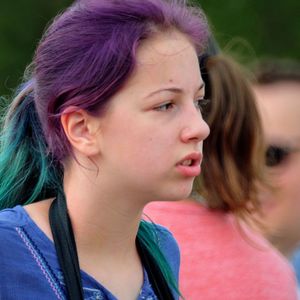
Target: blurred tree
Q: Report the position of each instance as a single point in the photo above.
(21, 25)
(249, 28)
(256, 28)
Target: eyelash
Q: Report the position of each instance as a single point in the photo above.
(166, 105)
(200, 104)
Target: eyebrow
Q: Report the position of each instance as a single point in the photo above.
(283, 143)
(173, 90)
(280, 139)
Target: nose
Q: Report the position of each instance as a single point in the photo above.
(196, 129)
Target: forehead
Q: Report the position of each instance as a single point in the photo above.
(164, 58)
(163, 44)
(279, 106)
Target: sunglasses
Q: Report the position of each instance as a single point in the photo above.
(275, 155)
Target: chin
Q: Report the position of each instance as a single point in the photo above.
(175, 191)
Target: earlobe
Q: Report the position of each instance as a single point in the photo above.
(81, 130)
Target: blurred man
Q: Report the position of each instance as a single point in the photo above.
(277, 91)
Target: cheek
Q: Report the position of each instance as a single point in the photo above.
(140, 147)
(140, 144)
(288, 182)
(150, 151)
(284, 199)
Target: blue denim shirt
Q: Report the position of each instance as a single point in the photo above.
(29, 268)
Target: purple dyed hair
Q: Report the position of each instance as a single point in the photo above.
(89, 51)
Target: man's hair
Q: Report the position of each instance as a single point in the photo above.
(270, 70)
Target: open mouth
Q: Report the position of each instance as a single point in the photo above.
(188, 162)
(190, 165)
(191, 160)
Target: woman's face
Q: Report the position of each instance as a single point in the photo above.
(151, 135)
(279, 105)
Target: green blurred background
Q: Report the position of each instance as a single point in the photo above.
(246, 28)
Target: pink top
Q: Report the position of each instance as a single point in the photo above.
(218, 261)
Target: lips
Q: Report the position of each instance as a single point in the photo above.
(189, 166)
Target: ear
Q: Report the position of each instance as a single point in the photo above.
(81, 129)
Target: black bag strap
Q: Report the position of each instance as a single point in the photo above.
(65, 246)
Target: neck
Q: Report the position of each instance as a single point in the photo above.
(105, 231)
(105, 219)
(103, 225)
(285, 246)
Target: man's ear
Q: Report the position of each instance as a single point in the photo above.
(81, 130)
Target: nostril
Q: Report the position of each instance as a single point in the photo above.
(197, 130)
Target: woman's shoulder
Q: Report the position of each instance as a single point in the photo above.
(15, 216)
(164, 238)
(16, 228)
(12, 220)
(217, 245)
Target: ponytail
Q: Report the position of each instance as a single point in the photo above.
(147, 235)
(27, 171)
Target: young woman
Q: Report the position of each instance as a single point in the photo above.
(108, 120)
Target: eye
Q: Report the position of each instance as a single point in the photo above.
(275, 155)
(164, 107)
(202, 104)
